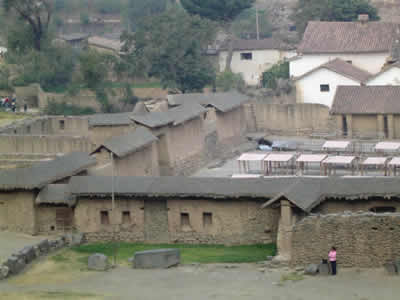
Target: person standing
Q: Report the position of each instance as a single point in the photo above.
(332, 260)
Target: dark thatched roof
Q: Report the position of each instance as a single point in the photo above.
(128, 143)
(222, 102)
(55, 194)
(178, 186)
(117, 119)
(348, 37)
(366, 100)
(307, 193)
(174, 116)
(43, 173)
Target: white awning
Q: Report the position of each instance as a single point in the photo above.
(336, 145)
(339, 160)
(311, 158)
(279, 157)
(387, 146)
(395, 161)
(375, 161)
(252, 157)
(246, 176)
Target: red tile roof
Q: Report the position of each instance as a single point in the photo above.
(348, 37)
(264, 44)
(343, 68)
(366, 100)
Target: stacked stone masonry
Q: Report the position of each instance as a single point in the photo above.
(362, 239)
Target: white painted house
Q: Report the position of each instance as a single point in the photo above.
(390, 75)
(319, 85)
(253, 57)
(366, 45)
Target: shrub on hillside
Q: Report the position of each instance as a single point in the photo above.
(277, 71)
(227, 81)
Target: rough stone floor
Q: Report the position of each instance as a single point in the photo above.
(225, 282)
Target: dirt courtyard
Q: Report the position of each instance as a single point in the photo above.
(207, 281)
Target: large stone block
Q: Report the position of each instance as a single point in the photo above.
(311, 269)
(44, 246)
(390, 268)
(157, 259)
(15, 264)
(28, 254)
(3, 271)
(98, 262)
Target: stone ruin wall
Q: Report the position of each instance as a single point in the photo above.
(362, 239)
(157, 220)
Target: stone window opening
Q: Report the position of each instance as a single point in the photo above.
(246, 56)
(324, 88)
(28, 129)
(207, 219)
(185, 220)
(104, 218)
(383, 209)
(126, 217)
(52, 228)
(62, 124)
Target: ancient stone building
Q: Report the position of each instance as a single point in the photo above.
(131, 154)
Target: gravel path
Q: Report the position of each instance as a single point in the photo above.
(241, 281)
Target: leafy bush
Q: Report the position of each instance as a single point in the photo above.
(54, 108)
(227, 81)
(280, 70)
(52, 68)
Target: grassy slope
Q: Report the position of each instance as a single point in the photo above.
(189, 253)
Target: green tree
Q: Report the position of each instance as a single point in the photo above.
(37, 14)
(280, 70)
(244, 26)
(139, 9)
(171, 47)
(222, 11)
(331, 10)
(94, 68)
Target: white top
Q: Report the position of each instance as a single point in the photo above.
(246, 176)
(375, 161)
(252, 157)
(339, 160)
(336, 144)
(395, 161)
(311, 158)
(279, 157)
(387, 146)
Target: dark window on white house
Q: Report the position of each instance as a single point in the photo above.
(349, 62)
(104, 218)
(246, 56)
(62, 124)
(292, 28)
(126, 217)
(207, 219)
(185, 220)
(324, 88)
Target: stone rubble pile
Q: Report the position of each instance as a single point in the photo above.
(19, 260)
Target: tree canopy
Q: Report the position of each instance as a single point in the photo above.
(331, 10)
(171, 47)
(217, 10)
(37, 14)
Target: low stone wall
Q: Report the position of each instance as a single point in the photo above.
(31, 144)
(362, 239)
(17, 262)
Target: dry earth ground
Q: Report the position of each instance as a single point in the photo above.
(64, 276)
